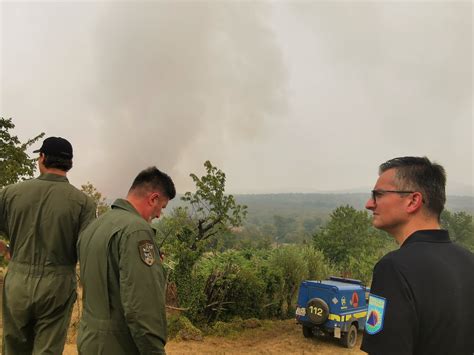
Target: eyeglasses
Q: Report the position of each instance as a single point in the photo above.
(380, 193)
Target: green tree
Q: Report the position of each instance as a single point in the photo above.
(311, 225)
(209, 212)
(283, 226)
(460, 227)
(15, 163)
(197, 227)
(100, 201)
(350, 241)
(212, 210)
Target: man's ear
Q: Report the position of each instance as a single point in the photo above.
(415, 202)
(41, 161)
(152, 197)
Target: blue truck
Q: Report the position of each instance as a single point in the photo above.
(337, 306)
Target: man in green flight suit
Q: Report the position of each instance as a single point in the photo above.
(42, 219)
(122, 275)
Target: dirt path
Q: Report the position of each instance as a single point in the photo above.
(282, 337)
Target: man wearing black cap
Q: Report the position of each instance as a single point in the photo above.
(42, 218)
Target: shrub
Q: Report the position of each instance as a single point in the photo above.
(248, 284)
(181, 328)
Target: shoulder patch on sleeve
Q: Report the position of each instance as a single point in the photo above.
(146, 250)
(375, 314)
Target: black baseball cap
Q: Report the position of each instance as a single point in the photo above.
(56, 146)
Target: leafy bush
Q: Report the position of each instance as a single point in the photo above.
(247, 283)
(233, 286)
(181, 328)
(319, 268)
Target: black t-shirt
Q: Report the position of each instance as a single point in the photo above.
(422, 299)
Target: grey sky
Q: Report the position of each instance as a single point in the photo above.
(282, 96)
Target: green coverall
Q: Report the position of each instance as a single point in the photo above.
(123, 286)
(42, 218)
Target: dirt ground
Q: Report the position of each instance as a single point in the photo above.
(282, 337)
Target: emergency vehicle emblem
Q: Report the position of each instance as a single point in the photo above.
(375, 314)
(147, 252)
(355, 300)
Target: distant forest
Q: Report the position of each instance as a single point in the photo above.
(296, 217)
(262, 207)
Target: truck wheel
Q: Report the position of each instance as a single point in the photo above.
(317, 310)
(307, 332)
(349, 339)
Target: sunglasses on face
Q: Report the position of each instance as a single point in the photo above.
(379, 193)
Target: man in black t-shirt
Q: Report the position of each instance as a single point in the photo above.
(422, 295)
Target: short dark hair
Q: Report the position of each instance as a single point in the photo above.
(152, 179)
(419, 174)
(55, 162)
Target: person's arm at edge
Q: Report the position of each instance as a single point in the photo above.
(88, 214)
(400, 318)
(142, 296)
(4, 247)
